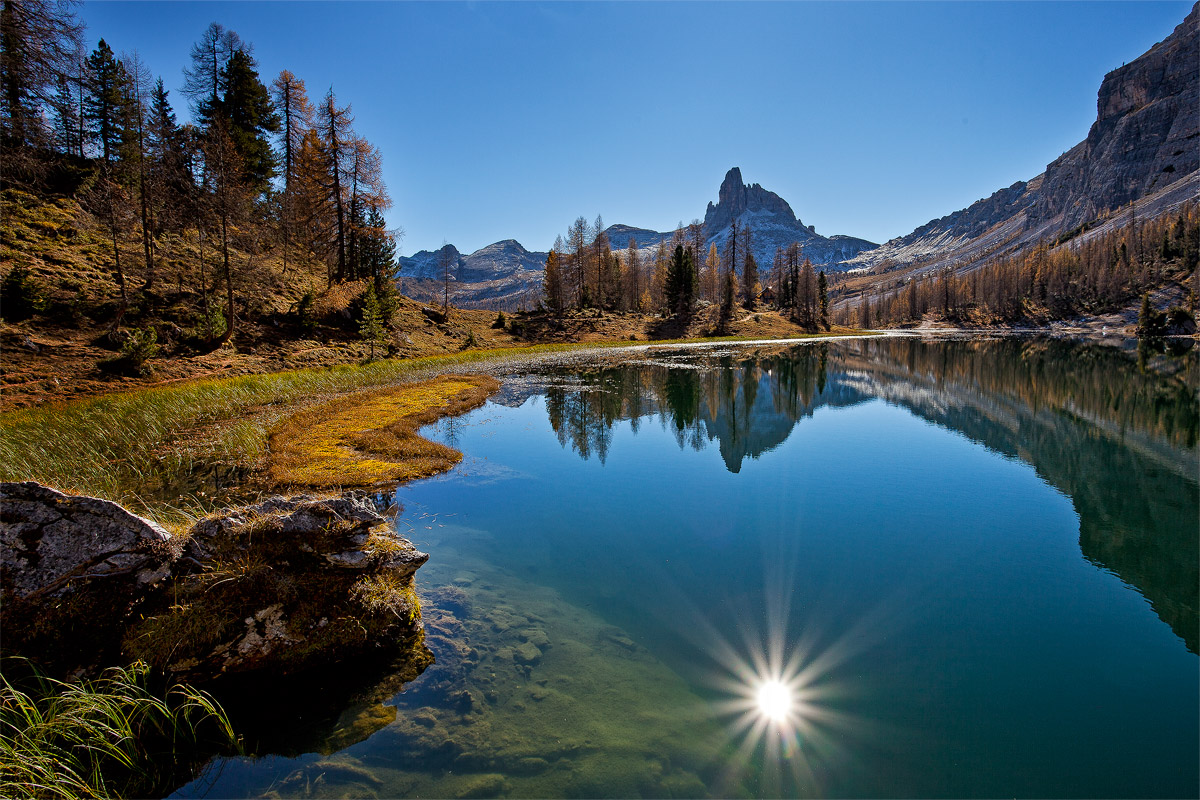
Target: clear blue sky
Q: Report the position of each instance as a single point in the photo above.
(508, 120)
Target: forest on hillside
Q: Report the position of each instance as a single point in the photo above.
(262, 193)
(1071, 276)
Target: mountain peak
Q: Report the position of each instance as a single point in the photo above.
(733, 181)
(736, 198)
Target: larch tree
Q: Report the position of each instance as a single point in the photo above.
(578, 239)
(730, 255)
(204, 81)
(38, 41)
(599, 249)
(552, 284)
(335, 126)
(296, 119)
(823, 298)
(230, 197)
(712, 275)
(137, 96)
(634, 279)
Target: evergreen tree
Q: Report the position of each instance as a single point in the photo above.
(377, 251)
(104, 109)
(250, 116)
(66, 117)
(370, 327)
(172, 185)
(680, 286)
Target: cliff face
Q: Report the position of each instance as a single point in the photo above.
(1144, 146)
(1146, 135)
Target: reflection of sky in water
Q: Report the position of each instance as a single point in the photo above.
(919, 600)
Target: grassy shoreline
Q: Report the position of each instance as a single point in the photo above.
(113, 445)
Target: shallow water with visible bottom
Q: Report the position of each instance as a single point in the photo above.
(961, 568)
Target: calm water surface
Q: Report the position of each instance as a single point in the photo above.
(972, 564)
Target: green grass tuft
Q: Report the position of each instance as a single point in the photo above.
(111, 737)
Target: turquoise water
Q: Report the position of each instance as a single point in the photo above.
(972, 565)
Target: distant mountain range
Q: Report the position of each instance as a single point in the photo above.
(506, 275)
(1144, 148)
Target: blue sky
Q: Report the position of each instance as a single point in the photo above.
(508, 120)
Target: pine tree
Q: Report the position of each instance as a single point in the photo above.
(377, 253)
(104, 109)
(371, 327)
(172, 185)
(250, 116)
(681, 281)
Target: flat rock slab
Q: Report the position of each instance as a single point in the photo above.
(49, 540)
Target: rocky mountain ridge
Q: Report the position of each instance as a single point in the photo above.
(505, 275)
(1144, 148)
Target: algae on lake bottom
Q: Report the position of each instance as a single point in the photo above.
(543, 700)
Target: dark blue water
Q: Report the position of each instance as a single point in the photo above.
(972, 565)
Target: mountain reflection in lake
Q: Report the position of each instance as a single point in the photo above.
(881, 567)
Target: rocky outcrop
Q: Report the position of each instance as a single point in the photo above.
(278, 588)
(1145, 137)
(772, 225)
(735, 198)
(50, 541)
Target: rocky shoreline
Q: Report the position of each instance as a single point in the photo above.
(280, 588)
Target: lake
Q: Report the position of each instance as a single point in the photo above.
(881, 567)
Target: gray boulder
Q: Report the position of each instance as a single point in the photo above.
(50, 542)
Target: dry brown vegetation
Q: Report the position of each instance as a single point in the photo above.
(371, 437)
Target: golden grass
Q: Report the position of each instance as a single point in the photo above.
(118, 445)
(371, 437)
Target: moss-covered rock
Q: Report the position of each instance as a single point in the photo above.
(282, 586)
